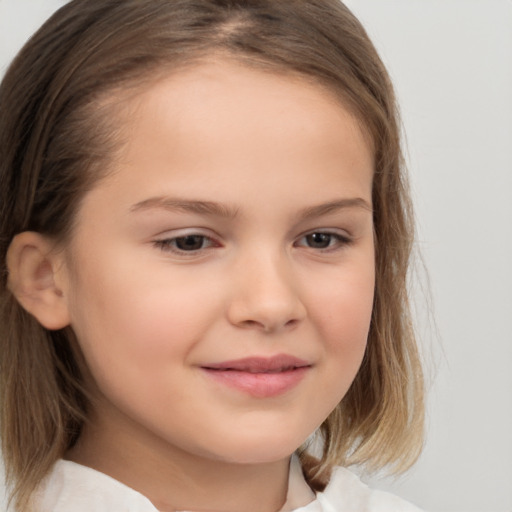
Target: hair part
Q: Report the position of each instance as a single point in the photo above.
(60, 104)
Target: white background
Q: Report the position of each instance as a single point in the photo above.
(451, 61)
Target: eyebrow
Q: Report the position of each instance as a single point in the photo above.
(185, 205)
(211, 208)
(333, 207)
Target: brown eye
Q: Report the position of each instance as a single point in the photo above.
(190, 242)
(319, 240)
(181, 245)
(324, 241)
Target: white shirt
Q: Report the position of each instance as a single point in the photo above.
(71, 487)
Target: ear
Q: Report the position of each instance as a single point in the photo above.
(34, 268)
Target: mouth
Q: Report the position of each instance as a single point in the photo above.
(260, 377)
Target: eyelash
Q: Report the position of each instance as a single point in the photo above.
(340, 241)
(335, 241)
(169, 244)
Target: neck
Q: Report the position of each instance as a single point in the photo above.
(174, 479)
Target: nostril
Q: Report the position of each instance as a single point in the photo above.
(268, 326)
(267, 308)
(251, 323)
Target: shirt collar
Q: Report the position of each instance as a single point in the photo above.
(299, 493)
(77, 487)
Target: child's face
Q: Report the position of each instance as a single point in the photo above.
(236, 224)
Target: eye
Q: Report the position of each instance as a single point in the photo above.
(323, 240)
(192, 243)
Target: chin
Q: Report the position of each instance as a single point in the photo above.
(259, 451)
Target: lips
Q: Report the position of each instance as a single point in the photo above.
(260, 377)
(273, 364)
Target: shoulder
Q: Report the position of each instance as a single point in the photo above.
(347, 493)
(73, 487)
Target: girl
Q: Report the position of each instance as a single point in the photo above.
(205, 233)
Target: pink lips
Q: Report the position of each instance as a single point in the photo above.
(259, 376)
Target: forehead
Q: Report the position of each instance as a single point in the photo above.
(221, 131)
(200, 106)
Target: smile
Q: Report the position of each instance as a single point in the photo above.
(259, 377)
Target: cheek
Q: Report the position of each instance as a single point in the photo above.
(345, 301)
(128, 322)
(342, 314)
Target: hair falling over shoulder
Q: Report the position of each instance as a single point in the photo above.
(57, 135)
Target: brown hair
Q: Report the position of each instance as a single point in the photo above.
(57, 136)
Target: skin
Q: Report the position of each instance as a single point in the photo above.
(267, 148)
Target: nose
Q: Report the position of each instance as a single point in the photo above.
(265, 295)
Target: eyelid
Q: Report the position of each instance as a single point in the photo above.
(344, 239)
(164, 242)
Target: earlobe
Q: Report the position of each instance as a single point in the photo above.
(33, 267)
